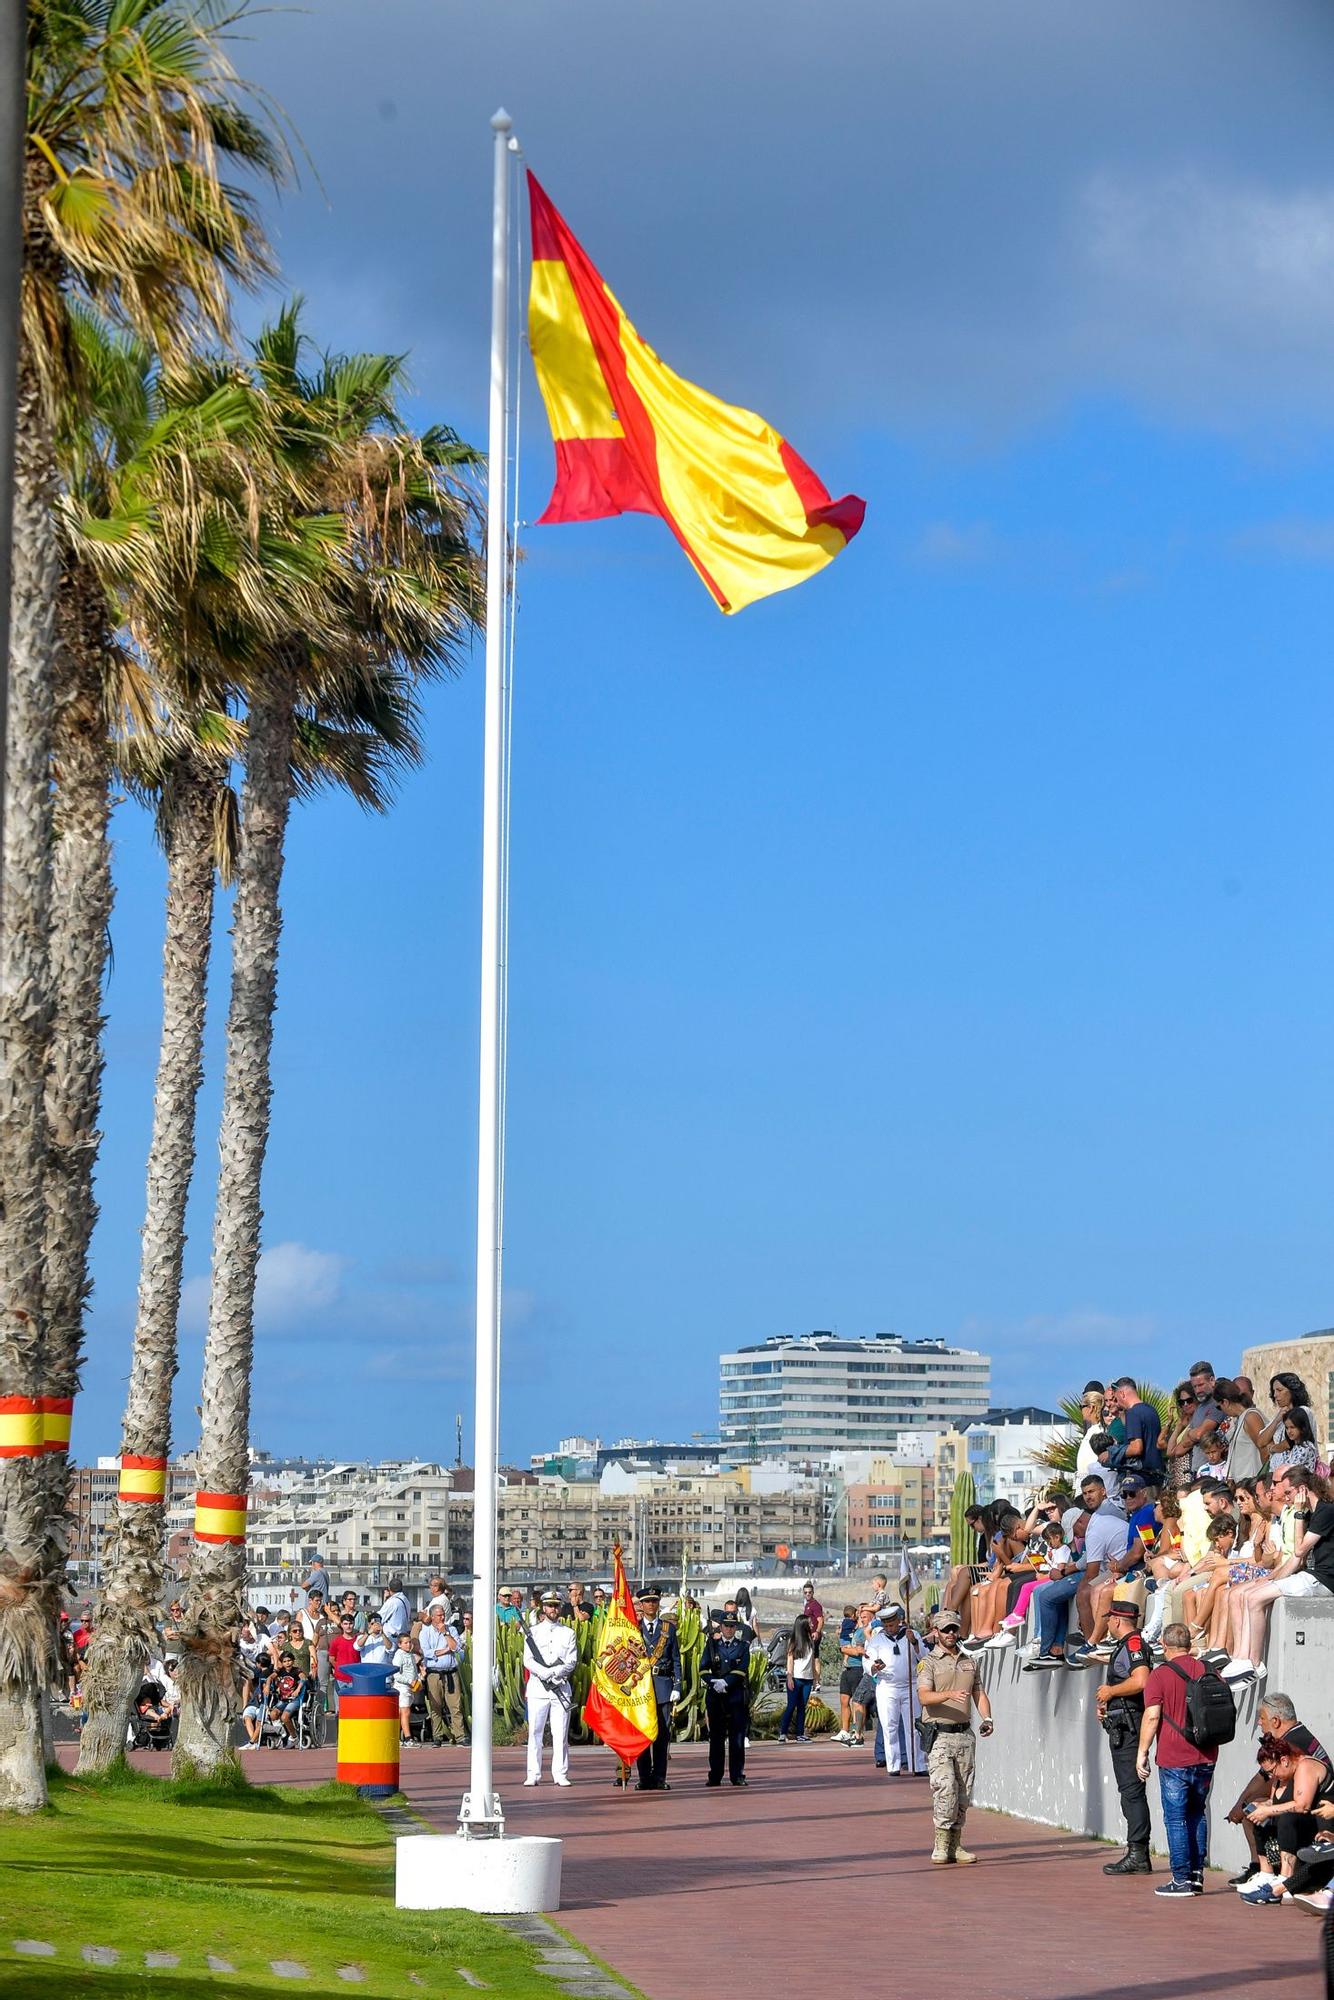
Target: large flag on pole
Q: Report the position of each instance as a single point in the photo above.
(620, 1707)
(632, 437)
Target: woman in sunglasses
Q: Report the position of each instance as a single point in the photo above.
(1175, 1441)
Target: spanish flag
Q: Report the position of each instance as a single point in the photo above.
(620, 1707)
(632, 437)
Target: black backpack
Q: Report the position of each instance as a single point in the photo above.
(1211, 1709)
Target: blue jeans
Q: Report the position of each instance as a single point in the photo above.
(1185, 1794)
(1054, 1610)
(797, 1697)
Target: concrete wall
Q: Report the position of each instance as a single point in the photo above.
(1049, 1759)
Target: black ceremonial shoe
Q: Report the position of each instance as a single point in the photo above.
(1135, 1861)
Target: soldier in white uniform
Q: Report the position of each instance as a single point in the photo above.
(551, 1656)
(892, 1653)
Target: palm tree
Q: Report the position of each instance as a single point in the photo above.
(399, 596)
(131, 108)
(1060, 1452)
(167, 527)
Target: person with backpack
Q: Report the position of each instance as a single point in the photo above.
(1190, 1711)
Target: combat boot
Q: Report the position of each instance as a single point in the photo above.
(941, 1851)
(1135, 1861)
(958, 1853)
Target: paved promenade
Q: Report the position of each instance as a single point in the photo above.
(799, 1882)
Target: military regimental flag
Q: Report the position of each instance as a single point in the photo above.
(620, 1707)
(632, 437)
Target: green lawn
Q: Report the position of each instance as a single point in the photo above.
(249, 1875)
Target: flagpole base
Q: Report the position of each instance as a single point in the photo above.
(516, 1876)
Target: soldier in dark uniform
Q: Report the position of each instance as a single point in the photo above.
(725, 1671)
(1120, 1711)
(664, 1658)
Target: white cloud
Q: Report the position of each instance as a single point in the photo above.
(1291, 540)
(947, 545)
(1220, 283)
(293, 1283)
(1046, 1351)
(436, 1361)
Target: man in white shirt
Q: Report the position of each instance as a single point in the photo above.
(438, 1593)
(395, 1612)
(551, 1656)
(892, 1653)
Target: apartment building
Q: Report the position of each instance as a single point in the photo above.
(800, 1398)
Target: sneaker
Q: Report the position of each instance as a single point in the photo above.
(1012, 1622)
(841, 1736)
(1174, 1889)
(1262, 1891)
(1319, 1850)
(1043, 1660)
(998, 1641)
(1081, 1657)
(560, 1781)
(1197, 1883)
(1238, 1670)
(1248, 1874)
(1317, 1899)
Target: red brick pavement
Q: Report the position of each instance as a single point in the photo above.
(822, 1857)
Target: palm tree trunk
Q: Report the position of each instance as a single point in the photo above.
(134, 1577)
(81, 898)
(27, 1583)
(212, 1619)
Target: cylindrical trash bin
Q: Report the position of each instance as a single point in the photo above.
(368, 1730)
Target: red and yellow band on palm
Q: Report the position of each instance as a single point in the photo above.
(220, 1517)
(368, 1741)
(632, 437)
(57, 1416)
(30, 1426)
(22, 1427)
(142, 1478)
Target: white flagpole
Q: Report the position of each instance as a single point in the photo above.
(480, 1812)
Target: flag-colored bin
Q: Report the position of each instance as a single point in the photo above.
(368, 1730)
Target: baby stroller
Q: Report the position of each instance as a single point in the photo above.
(775, 1673)
(149, 1731)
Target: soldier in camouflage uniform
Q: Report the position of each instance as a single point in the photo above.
(949, 1685)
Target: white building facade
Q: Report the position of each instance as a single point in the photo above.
(801, 1398)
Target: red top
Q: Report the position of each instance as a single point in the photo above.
(343, 1652)
(1166, 1690)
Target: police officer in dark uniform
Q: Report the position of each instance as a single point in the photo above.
(724, 1669)
(1120, 1711)
(664, 1658)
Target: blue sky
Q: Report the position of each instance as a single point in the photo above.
(945, 946)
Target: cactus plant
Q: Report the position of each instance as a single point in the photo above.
(963, 1541)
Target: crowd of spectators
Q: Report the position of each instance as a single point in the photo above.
(1156, 1565)
(1203, 1519)
(295, 1662)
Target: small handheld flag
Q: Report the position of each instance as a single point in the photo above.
(632, 437)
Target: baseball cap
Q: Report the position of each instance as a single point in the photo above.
(946, 1619)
